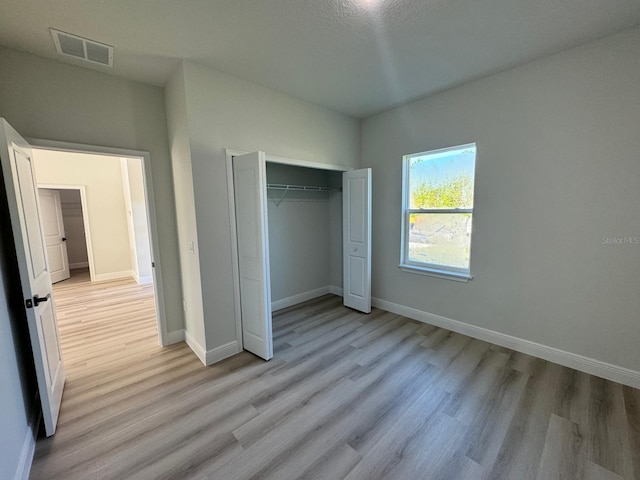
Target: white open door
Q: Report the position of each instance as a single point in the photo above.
(55, 239)
(250, 192)
(22, 197)
(356, 237)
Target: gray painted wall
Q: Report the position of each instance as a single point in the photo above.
(557, 170)
(335, 225)
(179, 142)
(299, 232)
(226, 112)
(43, 98)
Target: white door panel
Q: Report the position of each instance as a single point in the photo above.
(249, 178)
(48, 208)
(356, 278)
(54, 256)
(356, 215)
(27, 205)
(35, 279)
(50, 338)
(54, 234)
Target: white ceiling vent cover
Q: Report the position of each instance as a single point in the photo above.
(82, 48)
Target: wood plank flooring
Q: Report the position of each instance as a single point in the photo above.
(346, 396)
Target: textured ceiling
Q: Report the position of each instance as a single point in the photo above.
(353, 56)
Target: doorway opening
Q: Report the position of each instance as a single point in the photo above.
(98, 226)
(65, 227)
(299, 252)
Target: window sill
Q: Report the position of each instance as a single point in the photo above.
(433, 272)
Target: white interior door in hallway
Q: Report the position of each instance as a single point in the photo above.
(54, 234)
(35, 278)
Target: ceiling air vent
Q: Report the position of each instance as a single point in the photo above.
(83, 48)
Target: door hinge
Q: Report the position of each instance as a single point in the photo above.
(28, 303)
(153, 264)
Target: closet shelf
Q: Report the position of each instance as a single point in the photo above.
(298, 188)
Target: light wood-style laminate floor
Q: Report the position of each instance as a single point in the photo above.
(346, 396)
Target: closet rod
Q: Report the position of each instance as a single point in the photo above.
(301, 188)
(297, 188)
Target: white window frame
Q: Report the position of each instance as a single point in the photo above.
(434, 270)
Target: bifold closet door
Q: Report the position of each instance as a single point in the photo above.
(356, 235)
(250, 194)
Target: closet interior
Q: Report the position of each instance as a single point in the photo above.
(304, 210)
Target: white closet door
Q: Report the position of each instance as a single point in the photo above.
(22, 198)
(250, 191)
(54, 235)
(356, 231)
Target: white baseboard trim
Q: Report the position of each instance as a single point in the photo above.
(145, 280)
(220, 353)
(175, 337)
(196, 347)
(209, 357)
(23, 468)
(74, 266)
(106, 277)
(336, 290)
(299, 298)
(578, 362)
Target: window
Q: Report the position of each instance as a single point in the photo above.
(437, 188)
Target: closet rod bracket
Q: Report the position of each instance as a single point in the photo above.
(277, 204)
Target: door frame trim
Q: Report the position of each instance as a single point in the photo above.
(43, 144)
(229, 154)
